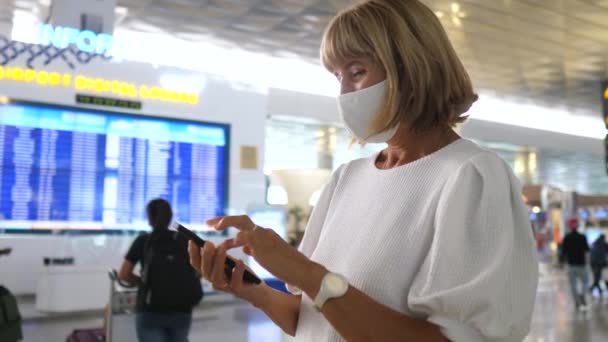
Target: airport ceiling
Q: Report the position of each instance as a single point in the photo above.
(551, 51)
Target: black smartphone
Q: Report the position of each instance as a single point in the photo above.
(248, 277)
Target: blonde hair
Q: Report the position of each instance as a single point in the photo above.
(427, 85)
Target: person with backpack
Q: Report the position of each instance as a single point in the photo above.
(169, 287)
(599, 256)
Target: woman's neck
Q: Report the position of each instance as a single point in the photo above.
(407, 146)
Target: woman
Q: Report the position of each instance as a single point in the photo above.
(169, 288)
(599, 256)
(427, 240)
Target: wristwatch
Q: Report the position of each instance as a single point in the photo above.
(333, 285)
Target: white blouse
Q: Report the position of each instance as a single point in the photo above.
(445, 238)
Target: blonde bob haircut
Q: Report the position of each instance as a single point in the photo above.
(427, 85)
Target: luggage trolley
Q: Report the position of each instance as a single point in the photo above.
(120, 313)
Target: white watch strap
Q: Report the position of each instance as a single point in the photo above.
(327, 292)
(320, 301)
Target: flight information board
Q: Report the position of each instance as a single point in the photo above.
(74, 169)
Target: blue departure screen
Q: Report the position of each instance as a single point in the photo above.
(73, 169)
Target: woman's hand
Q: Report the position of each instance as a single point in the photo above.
(281, 307)
(267, 247)
(210, 262)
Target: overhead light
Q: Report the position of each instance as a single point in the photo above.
(455, 7)
(457, 21)
(536, 210)
(439, 14)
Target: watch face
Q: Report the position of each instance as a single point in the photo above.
(336, 283)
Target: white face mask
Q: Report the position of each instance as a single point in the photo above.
(357, 110)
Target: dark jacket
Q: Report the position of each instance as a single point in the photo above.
(599, 251)
(574, 249)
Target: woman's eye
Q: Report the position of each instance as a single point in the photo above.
(358, 73)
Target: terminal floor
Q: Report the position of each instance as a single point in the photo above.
(227, 320)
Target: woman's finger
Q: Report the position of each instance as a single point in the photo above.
(217, 275)
(242, 223)
(241, 239)
(195, 255)
(212, 222)
(236, 283)
(208, 257)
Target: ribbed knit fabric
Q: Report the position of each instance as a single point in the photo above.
(445, 238)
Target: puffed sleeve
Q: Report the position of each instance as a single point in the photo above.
(317, 219)
(478, 281)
